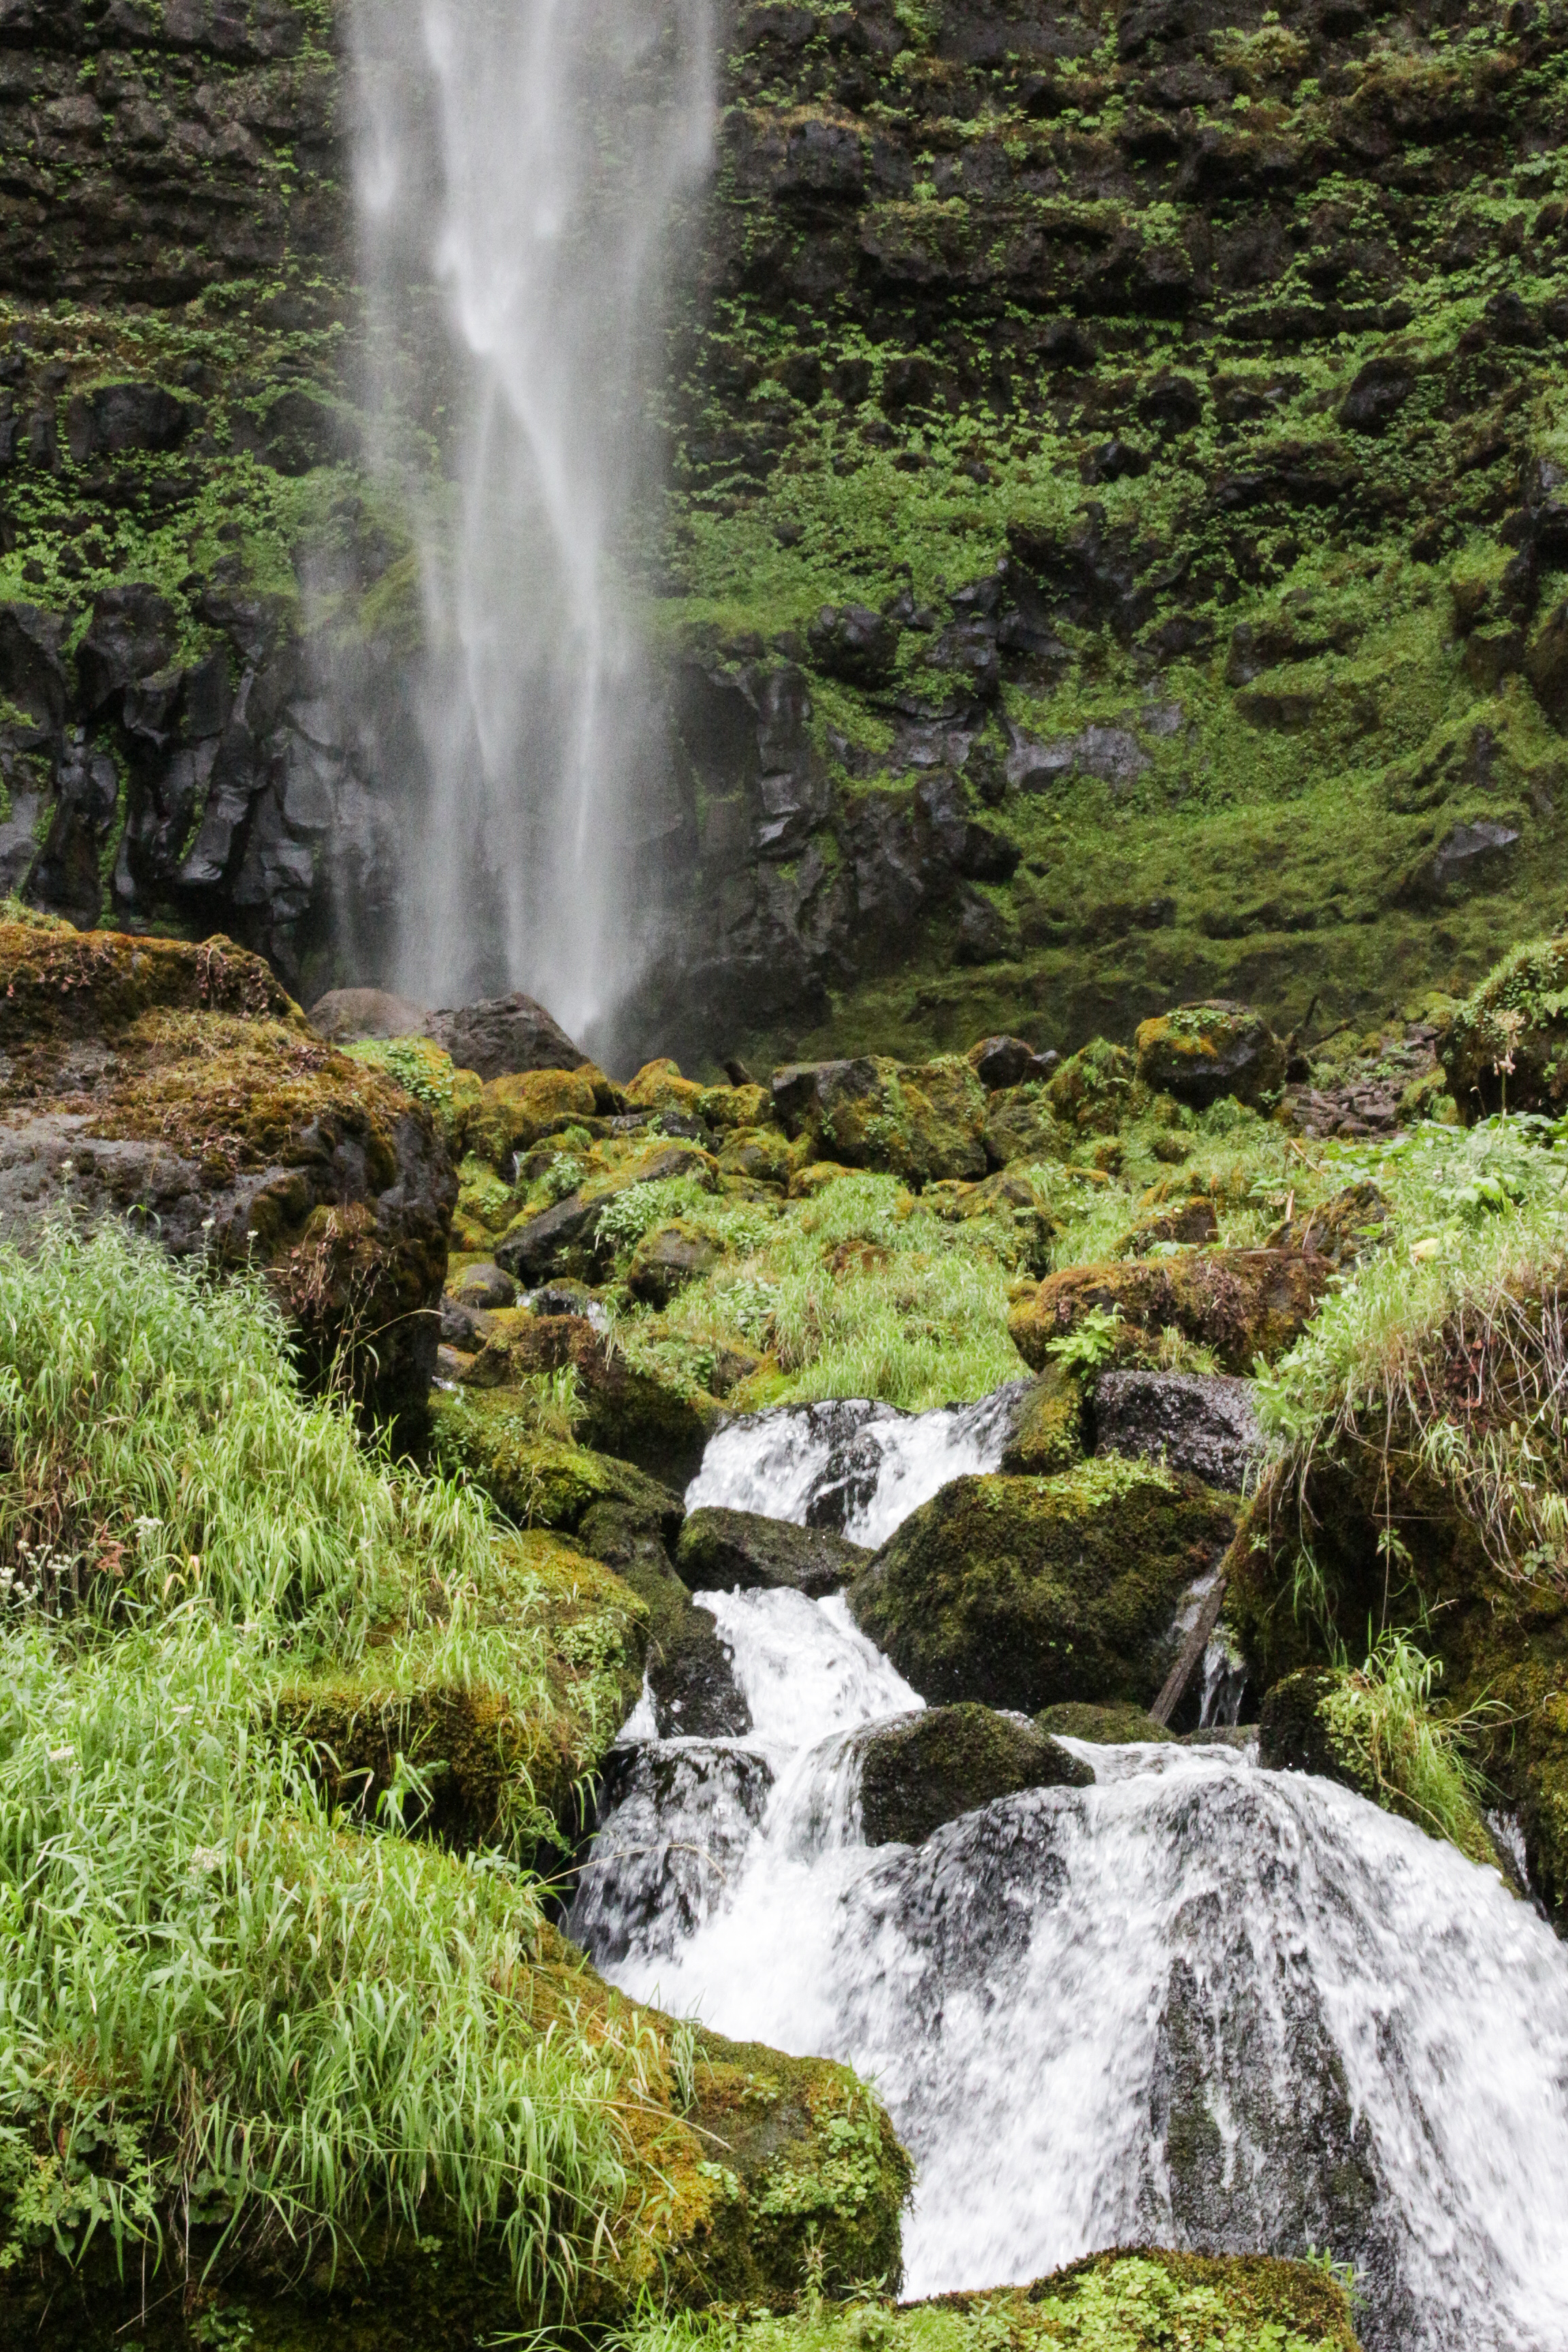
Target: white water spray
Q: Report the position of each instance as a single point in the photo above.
(1197, 2004)
(529, 156)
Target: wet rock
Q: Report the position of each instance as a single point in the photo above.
(924, 1770)
(1001, 1063)
(179, 1085)
(348, 1014)
(646, 1885)
(546, 1244)
(1103, 1727)
(693, 1686)
(1200, 1052)
(502, 1035)
(853, 643)
(667, 1259)
(721, 1549)
(132, 634)
(121, 417)
(479, 1287)
(1027, 1592)
(1194, 1421)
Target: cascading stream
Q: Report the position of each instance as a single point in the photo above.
(1198, 2003)
(528, 157)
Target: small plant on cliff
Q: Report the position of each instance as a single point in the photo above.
(1379, 1717)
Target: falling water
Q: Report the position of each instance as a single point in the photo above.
(528, 156)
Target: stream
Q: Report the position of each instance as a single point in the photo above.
(1197, 2004)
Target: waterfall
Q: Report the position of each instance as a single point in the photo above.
(1198, 2003)
(527, 158)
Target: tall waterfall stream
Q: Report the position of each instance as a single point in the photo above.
(484, 164)
(1197, 2003)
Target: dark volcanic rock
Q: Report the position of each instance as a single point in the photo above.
(1200, 1422)
(503, 1035)
(719, 1550)
(347, 1015)
(692, 1679)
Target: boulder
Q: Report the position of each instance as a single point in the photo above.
(348, 1014)
(691, 1679)
(621, 1409)
(1199, 1423)
(1200, 1052)
(721, 1549)
(179, 1085)
(1508, 1041)
(853, 643)
(924, 1769)
(1027, 1592)
(558, 1240)
(502, 1035)
(1293, 1736)
(1242, 1304)
(483, 1286)
(1093, 1089)
(1103, 1726)
(491, 1436)
(667, 1259)
(516, 1111)
(1021, 1125)
(923, 1122)
(1001, 1063)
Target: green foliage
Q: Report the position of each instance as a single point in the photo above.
(1380, 1720)
(1092, 1343)
(218, 2001)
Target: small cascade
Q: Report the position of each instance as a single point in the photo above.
(857, 1468)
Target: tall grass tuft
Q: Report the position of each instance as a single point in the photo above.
(1414, 1763)
(222, 2007)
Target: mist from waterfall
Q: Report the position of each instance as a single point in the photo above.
(527, 158)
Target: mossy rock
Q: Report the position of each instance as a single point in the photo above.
(1294, 1735)
(667, 1258)
(1518, 1017)
(1105, 1727)
(513, 1113)
(722, 1550)
(427, 1071)
(735, 1111)
(1241, 1303)
(749, 2176)
(1092, 1094)
(761, 1154)
(1020, 1125)
(1200, 1052)
(659, 1424)
(180, 1085)
(924, 1123)
(501, 1773)
(925, 1769)
(1047, 1428)
(659, 1086)
(1028, 1591)
(538, 1482)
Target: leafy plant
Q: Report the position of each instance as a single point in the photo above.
(1092, 1342)
(1381, 1717)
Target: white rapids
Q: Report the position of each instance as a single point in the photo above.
(1197, 2003)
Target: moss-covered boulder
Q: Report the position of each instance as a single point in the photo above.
(748, 2178)
(1021, 1124)
(1106, 1726)
(1294, 1735)
(492, 1435)
(1241, 1303)
(1508, 1043)
(1047, 1427)
(513, 1112)
(924, 1123)
(1200, 1052)
(180, 1087)
(1091, 1093)
(1027, 1592)
(762, 1155)
(928, 1768)
(721, 1549)
(667, 1259)
(617, 1407)
(499, 1768)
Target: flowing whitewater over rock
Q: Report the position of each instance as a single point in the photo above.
(530, 156)
(1197, 2003)
(857, 1468)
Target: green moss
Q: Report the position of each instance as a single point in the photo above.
(1026, 1592)
(536, 1482)
(1110, 1726)
(935, 1766)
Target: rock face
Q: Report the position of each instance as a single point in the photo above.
(1024, 1592)
(179, 1085)
(1204, 1425)
(928, 1769)
(721, 1549)
(936, 788)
